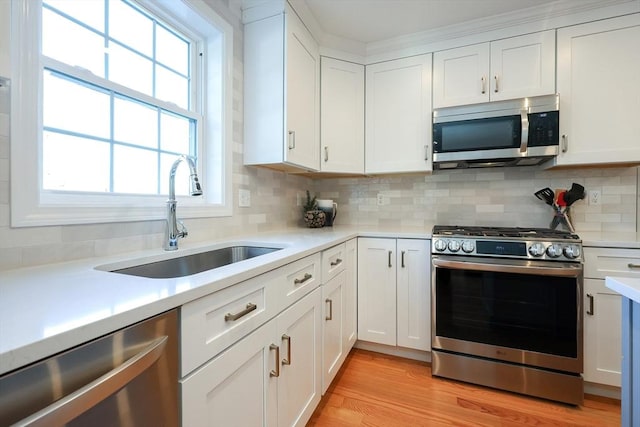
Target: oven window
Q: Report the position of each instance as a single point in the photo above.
(528, 312)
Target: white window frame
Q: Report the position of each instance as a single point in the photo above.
(31, 206)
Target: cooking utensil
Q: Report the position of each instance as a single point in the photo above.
(574, 194)
(546, 195)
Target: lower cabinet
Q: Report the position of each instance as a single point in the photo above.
(339, 295)
(269, 378)
(394, 292)
(602, 334)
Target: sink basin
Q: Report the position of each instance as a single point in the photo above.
(196, 263)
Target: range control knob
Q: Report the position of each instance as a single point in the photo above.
(468, 246)
(572, 251)
(454, 246)
(554, 251)
(440, 245)
(536, 250)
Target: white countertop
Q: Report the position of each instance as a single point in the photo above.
(50, 308)
(624, 240)
(625, 286)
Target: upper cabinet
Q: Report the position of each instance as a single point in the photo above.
(281, 93)
(398, 116)
(599, 87)
(341, 116)
(504, 69)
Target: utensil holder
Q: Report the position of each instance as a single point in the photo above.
(562, 217)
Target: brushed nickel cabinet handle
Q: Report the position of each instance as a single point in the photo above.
(482, 80)
(292, 139)
(338, 261)
(326, 153)
(231, 317)
(495, 89)
(390, 253)
(287, 338)
(306, 277)
(402, 258)
(565, 143)
(633, 266)
(590, 310)
(426, 152)
(330, 316)
(275, 372)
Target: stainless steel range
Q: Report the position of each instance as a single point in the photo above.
(507, 309)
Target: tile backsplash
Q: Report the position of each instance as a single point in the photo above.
(488, 197)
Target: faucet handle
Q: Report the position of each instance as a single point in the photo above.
(183, 230)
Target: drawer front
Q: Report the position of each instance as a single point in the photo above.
(601, 262)
(333, 262)
(302, 277)
(213, 323)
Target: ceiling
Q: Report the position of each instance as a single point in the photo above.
(370, 21)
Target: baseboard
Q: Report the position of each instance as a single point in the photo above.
(602, 390)
(407, 353)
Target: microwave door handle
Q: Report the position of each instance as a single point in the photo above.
(524, 134)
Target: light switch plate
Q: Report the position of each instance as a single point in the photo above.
(244, 198)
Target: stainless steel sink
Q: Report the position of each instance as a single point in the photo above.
(196, 263)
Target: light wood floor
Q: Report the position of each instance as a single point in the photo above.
(373, 389)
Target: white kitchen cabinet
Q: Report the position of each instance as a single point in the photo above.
(602, 312)
(5, 48)
(510, 68)
(398, 116)
(599, 87)
(281, 93)
(269, 378)
(394, 292)
(339, 295)
(602, 334)
(341, 116)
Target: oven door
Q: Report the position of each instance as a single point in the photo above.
(517, 311)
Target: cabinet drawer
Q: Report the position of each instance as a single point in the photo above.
(333, 262)
(301, 277)
(213, 323)
(601, 262)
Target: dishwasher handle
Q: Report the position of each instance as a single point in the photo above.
(66, 409)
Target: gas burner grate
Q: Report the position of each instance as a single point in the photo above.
(510, 232)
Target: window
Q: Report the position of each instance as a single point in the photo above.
(123, 89)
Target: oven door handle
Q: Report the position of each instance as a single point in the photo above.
(560, 271)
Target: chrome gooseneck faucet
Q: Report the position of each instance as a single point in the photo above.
(172, 233)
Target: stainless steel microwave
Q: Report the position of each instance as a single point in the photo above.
(519, 132)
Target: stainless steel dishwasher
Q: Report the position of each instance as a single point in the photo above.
(127, 378)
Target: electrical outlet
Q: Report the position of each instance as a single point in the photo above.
(594, 197)
(244, 198)
(380, 199)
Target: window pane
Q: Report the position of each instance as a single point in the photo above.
(172, 50)
(182, 175)
(72, 44)
(171, 87)
(135, 170)
(74, 107)
(62, 169)
(89, 12)
(175, 133)
(130, 27)
(135, 123)
(130, 69)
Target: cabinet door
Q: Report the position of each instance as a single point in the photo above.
(398, 116)
(602, 333)
(300, 337)
(599, 86)
(350, 321)
(333, 351)
(235, 388)
(460, 76)
(523, 66)
(302, 95)
(341, 116)
(414, 293)
(377, 290)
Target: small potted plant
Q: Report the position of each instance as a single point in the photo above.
(313, 217)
